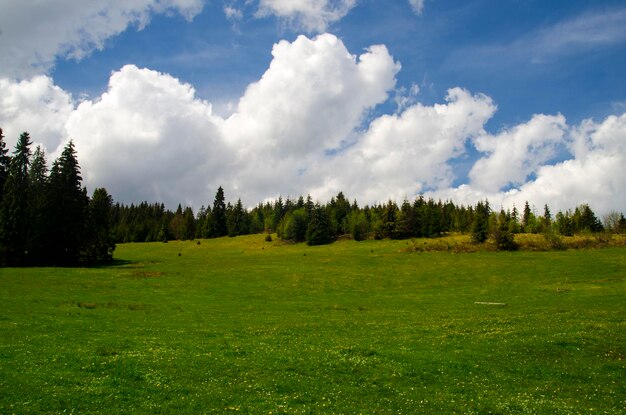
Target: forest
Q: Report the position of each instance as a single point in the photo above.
(47, 217)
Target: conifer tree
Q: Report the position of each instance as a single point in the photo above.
(100, 244)
(188, 225)
(68, 206)
(480, 229)
(39, 208)
(318, 230)
(237, 220)
(219, 227)
(14, 212)
(4, 164)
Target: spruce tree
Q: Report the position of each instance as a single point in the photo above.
(15, 209)
(39, 207)
(100, 245)
(68, 206)
(4, 164)
(219, 227)
(480, 229)
(237, 220)
(318, 231)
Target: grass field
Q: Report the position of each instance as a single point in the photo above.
(246, 326)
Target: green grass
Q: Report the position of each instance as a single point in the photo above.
(243, 325)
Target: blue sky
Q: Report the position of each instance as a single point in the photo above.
(542, 83)
(497, 48)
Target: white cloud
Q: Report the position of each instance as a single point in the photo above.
(311, 15)
(417, 5)
(37, 106)
(402, 155)
(35, 33)
(309, 101)
(515, 154)
(595, 175)
(149, 138)
(299, 129)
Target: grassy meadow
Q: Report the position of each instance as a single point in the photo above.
(241, 325)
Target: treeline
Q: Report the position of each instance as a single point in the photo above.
(303, 220)
(46, 217)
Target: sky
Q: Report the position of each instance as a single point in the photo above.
(165, 100)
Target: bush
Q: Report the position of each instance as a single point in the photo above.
(554, 240)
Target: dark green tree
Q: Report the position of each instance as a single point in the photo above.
(15, 209)
(219, 227)
(585, 220)
(502, 235)
(39, 208)
(237, 220)
(4, 164)
(68, 207)
(188, 230)
(295, 225)
(358, 224)
(100, 244)
(318, 231)
(480, 229)
(406, 221)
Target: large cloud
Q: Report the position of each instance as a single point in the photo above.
(37, 106)
(307, 103)
(35, 33)
(301, 128)
(148, 136)
(516, 153)
(595, 174)
(401, 155)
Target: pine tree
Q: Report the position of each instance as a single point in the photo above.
(219, 227)
(15, 209)
(237, 220)
(39, 207)
(480, 229)
(502, 235)
(100, 244)
(189, 224)
(318, 230)
(68, 206)
(4, 165)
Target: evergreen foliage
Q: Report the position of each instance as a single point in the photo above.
(480, 229)
(318, 231)
(100, 245)
(14, 212)
(219, 227)
(46, 218)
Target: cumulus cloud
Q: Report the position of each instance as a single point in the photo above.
(311, 15)
(304, 127)
(149, 136)
(515, 154)
(402, 155)
(307, 103)
(37, 106)
(35, 33)
(595, 174)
